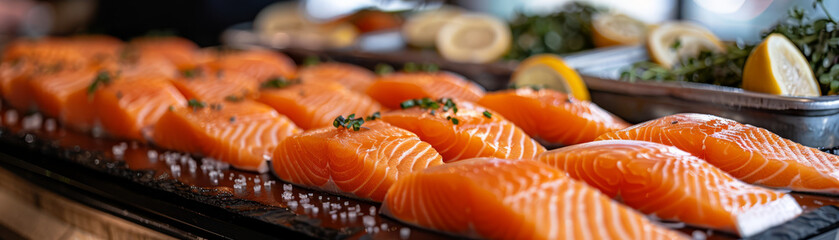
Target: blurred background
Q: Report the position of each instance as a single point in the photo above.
(205, 21)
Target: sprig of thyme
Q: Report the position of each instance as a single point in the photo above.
(278, 82)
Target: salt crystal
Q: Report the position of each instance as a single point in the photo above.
(334, 217)
(292, 205)
(32, 122)
(699, 235)
(315, 211)
(368, 221)
(817, 202)
(383, 226)
(176, 170)
(257, 188)
(11, 117)
(372, 210)
(50, 125)
(152, 154)
(352, 216)
(404, 233)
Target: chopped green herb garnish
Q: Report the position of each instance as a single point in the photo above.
(277, 82)
(350, 122)
(430, 67)
(382, 69)
(234, 98)
(102, 78)
(191, 73)
(195, 104)
(311, 61)
(442, 104)
(455, 121)
(119, 95)
(410, 67)
(215, 106)
(487, 114)
(676, 45)
(232, 119)
(375, 116)
(171, 108)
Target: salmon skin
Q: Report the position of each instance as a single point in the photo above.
(749, 153)
(242, 134)
(674, 185)
(353, 77)
(506, 199)
(361, 164)
(392, 89)
(554, 117)
(478, 132)
(315, 105)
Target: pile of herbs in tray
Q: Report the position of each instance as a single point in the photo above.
(567, 30)
(817, 39)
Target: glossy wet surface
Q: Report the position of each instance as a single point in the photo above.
(260, 196)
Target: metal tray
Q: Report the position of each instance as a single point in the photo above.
(812, 121)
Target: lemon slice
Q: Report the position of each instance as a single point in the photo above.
(617, 29)
(671, 42)
(474, 38)
(776, 66)
(421, 29)
(550, 71)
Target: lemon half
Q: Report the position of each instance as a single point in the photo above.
(776, 66)
(550, 71)
(672, 42)
(474, 38)
(613, 29)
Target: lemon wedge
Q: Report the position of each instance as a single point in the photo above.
(671, 42)
(421, 29)
(550, 71)
(613, 29)
(474, 38)
(776, 66)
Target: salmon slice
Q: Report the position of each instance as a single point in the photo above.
(361, 164)
(128, 105)
(353, 77)
(241, 133)
(674, 185)
(392, 89)
(178, 51)
(476, 134)
(65, 97)
(217, 87)
(553, 116)
(259, 65)
(315, 105)
(749, 153)
(505, 199)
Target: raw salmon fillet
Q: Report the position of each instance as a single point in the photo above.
(475, 135)
(128, 105)
(361, 164)
(315, 105)
(674, 185)
(392, 89)
(553, 116)
(178, 51)
(506, 199)
(217, 87)
(241, 133)
(749, 153)
(259, 65)
(65, 97)
(353, 77)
